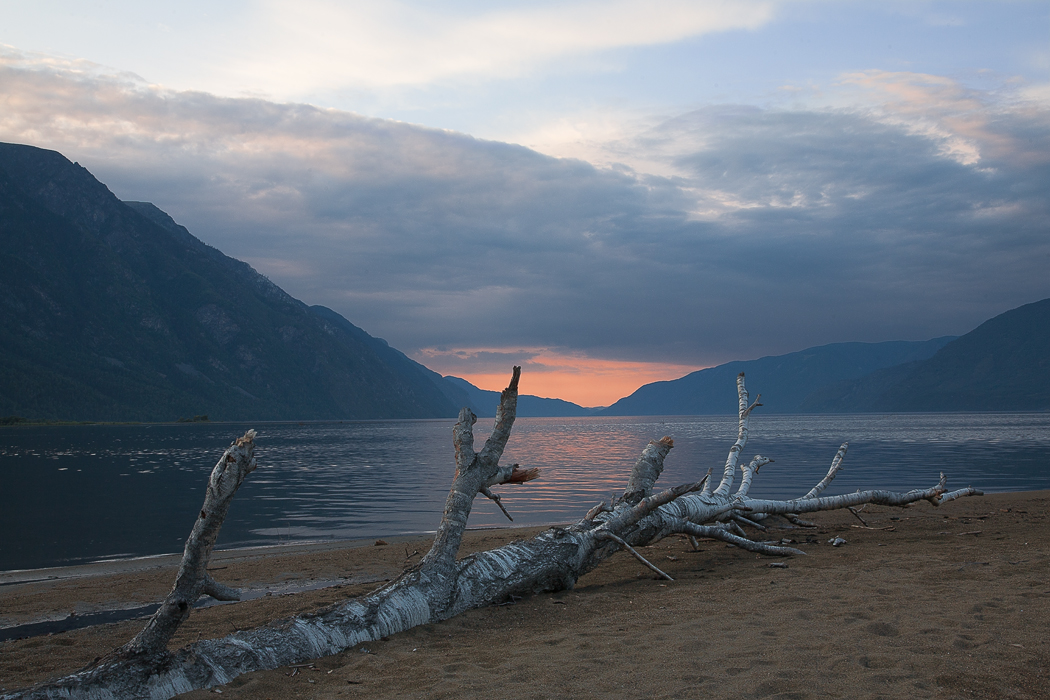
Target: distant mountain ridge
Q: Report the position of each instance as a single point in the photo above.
(112, 311)
(1002, 365)
(484, 402)
(785, 381)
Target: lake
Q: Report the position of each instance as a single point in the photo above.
(72, 494)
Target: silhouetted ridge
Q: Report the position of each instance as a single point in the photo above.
(784, 380)
(112, 311)
(484, 402)
(1002, 365)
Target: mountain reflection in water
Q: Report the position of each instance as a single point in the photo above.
(79, 493)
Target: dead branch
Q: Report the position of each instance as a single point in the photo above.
(495, 499)
(193, 579)
(440, 585)
(606, 535)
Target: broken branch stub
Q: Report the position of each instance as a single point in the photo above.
(440, 585)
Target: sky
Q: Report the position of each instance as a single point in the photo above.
(606, 193)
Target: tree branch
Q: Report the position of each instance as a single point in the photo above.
(609, 536)
(835, 464)
(474, 471)
(505, 414)
(495, 499)
(744, 414)
(193, 580)
(718, 533)
(647, 469)
(749, 473)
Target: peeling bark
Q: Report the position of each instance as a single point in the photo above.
(441, 586)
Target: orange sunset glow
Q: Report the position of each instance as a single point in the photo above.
(549, 374)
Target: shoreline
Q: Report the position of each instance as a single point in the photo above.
(117, 564)
(924, 602)
(56, 623)
(120, 564)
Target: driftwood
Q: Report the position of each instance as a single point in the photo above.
(440, 585)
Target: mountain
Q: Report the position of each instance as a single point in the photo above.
(394, 358)
(484, 403)
(783, 380)
(110, 310)
(1002, 365)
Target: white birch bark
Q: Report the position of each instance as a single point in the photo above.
(439, 586)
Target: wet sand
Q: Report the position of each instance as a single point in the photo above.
(931, 602)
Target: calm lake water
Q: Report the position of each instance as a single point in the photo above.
(81, 493)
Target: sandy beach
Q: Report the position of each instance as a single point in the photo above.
(925, 602)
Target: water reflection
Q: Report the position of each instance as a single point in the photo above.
(75, 493)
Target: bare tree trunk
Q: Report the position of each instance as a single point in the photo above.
(440, 586)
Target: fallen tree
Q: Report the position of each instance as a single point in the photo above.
(441, 585)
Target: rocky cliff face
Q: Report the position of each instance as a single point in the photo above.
(110, 310)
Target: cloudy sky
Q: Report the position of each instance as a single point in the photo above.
(609, 193)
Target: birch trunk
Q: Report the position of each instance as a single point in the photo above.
(440, 586)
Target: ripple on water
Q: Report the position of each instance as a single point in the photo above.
(137, 489)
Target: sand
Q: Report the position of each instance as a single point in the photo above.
(944, 602)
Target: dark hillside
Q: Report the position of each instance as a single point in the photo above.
(112, 311)
(784, 380)
(1002, 365)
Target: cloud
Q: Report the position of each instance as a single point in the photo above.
(756, 231)
(320, 44)
(369, 49)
